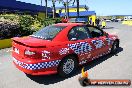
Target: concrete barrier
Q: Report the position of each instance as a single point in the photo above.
(129, 22)
(124, 22)
(5, 43)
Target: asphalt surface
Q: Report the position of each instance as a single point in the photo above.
(118, 66)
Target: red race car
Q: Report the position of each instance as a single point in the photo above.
(60, 48)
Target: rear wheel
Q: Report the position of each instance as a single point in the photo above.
(67, 66)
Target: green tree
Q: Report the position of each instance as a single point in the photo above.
(45, 8)
(66, 4)
(54, 10)
(77, 1)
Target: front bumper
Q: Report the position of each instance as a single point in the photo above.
(43, 68)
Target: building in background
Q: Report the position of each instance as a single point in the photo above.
(72, 8)
(13, 6)
(84, 12)
(126, 18)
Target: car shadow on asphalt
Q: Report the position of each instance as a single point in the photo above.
(55, 78)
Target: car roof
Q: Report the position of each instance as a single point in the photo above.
(68, 24)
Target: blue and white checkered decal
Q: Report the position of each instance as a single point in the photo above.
(109, 40)
(37, 65)
(81, 47)
(98, 43)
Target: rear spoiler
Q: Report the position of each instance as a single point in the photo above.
(20, 43)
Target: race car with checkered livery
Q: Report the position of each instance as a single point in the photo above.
(61, 48)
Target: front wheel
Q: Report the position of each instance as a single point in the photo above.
(67, 66)
(115, 47)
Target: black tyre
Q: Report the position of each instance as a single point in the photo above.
(67, 66)
(115, 47)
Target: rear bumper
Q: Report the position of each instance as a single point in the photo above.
(45, 68)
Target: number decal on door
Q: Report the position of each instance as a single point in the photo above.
(81, 47)
(98, 43)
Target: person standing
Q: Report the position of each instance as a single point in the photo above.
(64, 19)
(103, 23)
(90, 21)
(97, 21)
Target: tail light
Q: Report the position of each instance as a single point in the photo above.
(44, 55)
(29, 53)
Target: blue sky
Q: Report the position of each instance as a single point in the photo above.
(102, 7)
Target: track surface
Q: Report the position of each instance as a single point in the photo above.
(117, 66)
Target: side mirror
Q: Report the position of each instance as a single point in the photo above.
(73, 39)
(106, 34)
(33, 32)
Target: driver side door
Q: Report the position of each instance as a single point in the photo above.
(80, 43)
(99, 40)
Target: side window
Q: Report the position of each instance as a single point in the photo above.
(78, 33)
(95, 32)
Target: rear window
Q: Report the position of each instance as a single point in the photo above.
(48, 33)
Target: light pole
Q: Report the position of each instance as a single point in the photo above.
(41, 2)
(46, 9)
(66, 4)
(65, 9)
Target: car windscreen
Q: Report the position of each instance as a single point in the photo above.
(72, 20)
(82, 19)
(78, 19)
(48, 33)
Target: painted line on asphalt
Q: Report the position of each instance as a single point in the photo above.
(9, 50)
